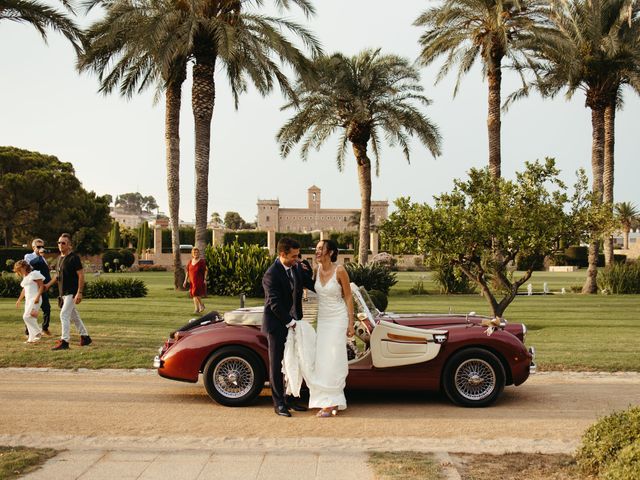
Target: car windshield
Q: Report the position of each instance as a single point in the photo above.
(363, 304)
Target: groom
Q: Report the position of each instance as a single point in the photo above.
(283, 284)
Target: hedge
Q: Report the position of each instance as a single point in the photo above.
(100, 288)
(11, 253)
(249, 237)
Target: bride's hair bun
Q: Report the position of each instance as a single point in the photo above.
(332, 247)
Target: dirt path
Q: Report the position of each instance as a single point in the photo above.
(138, 409)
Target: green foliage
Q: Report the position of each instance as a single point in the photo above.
(9, 285)
(525, 262)
(41, 197)
(14, 254)
(345, 240)
(417, 288)
(603, 441)
(237, 268)
(449, 278)
(187, 236)
(379, 299)
(372, 276)
(484, 223)
(135, 202)
(626, 465)
(145, 238)
(250, 237)
(234, 221)
(305, 240)
(114, 236)
(119, 288)
(113, 260)
(620, 278)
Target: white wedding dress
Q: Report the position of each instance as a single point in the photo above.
(320, 357)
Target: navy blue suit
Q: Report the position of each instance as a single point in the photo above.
(281, 305)
(40, 264)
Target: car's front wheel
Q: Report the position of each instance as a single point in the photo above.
(233, 376)
(473, 378)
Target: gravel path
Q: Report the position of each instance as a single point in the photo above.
(137, 410)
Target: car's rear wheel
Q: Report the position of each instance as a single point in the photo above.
(473, 378)
(233, 376)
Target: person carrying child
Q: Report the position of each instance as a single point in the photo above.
(32, 287)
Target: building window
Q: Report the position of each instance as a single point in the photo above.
(267, 218)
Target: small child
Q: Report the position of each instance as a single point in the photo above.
(32, 288)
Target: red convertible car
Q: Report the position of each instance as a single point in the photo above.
(466, 356)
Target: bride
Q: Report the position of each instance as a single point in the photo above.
(335, 322)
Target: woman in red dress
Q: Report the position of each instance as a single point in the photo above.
(196, 274)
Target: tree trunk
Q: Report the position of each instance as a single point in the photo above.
(364, 179)
(493, 117)
(172, 140)
(626, 239)
(597, 161)
(202, 102)
(608, 172)
(8, 236)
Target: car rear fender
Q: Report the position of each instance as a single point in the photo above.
(503, 361)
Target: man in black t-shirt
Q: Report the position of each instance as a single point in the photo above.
(70, 279)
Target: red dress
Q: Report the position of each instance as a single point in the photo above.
(196, 278)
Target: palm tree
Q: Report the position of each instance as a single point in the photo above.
(578, 53)
(624, 46)
(248, 46)
(365, 96)
(492, 30)
(42, 17)
(627, 216)
(127, 51)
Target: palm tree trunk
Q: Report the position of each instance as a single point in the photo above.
(493, 118)
(597, 161)
(608, 171)
(172, 139)
(626, 239)
(202, 102)
(364, 179)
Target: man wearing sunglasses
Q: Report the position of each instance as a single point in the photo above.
(70, 279)
(39, 263)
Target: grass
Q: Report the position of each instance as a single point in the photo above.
(404, 466)
(18, 461)
(579, 332)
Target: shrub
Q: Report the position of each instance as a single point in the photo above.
(603, 441)
(379, 299)
(235, 269)
(305, 239)
(372, 276)
(626, 465)
(524, 262)
(620, 278)
(11, 253)
(9, 285)
(119, 288)
(113, 260)
(386, 259)
(417, 288)
(250, 237)
(448, 278)
(152, 268)
(127, 258)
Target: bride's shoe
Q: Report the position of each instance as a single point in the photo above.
(322, 413)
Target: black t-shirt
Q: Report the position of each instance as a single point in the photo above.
(68, 267)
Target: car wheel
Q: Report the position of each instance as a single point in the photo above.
(473, 378)
(233, 376)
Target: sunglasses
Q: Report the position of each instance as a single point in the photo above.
(40, 247)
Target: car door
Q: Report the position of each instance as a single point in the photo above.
(395, 345)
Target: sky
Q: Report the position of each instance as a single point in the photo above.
(117, 145)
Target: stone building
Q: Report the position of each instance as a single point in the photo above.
(272, 217)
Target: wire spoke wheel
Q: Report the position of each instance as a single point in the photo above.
(475, 379)
(233, 377)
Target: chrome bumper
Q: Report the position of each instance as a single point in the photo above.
(532, 366)
(157, 363)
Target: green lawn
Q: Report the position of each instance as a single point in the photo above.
(569, 331)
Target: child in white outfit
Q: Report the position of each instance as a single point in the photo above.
(32, 288)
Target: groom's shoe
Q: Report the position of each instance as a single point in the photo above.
(296, 408)
(282, 410)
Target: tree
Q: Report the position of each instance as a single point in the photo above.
(114, 236)
(41, 196)
(627, 216)
(216, 220)
(481, 230)
(127, 51)
(234, 221)
(135, 202)
(582, 50)
(42, 18)
(491, 30)
(364, 96)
